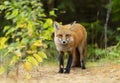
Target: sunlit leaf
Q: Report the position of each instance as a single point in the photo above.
(38, 43)
(24, 41)
(118, 28)
(32, 60)
(22, 25)
(6, 2)
(27, 65)
(33, 47)
(17, 39)
(48, 23)
(13, 15)
(19, 34)
(3, 41)
(43, 15)
(38, 57)
(6, 28)
(15, 12)
(21, 45)
(11, 30)
(52, 13)
(42, 54)
(29, 52)
(2, 7)
(30, 28)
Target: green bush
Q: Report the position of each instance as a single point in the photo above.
(25, 29)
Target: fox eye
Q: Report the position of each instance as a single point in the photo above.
(68, 35)
(59, 35)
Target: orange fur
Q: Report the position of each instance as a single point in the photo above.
(75, 37)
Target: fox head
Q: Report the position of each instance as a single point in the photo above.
(63, 33)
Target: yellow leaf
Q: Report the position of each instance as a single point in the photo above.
(27, 66)
(38, 43)
(30, 28)
(33, 47)
(29, 52)
(2, 70)
(38, 57)
(17, 39)
(42, 54)
(21, 45)
(32, 60)
(22, 25)
(49, 21)
(3, 41)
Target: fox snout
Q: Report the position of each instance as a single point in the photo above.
(64, 42)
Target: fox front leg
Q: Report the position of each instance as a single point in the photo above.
(68, 67)
(61, 63)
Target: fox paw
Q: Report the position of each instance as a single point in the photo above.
(67, 71)
(60, 71)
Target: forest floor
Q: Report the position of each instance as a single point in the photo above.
(100, 73)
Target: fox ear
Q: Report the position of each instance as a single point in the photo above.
(56, 25)
(72, 25)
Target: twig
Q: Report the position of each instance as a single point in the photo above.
(106, 23)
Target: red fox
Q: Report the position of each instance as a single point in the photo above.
(70, 38)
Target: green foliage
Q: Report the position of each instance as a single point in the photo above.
(110, 53)
(117, 36)
(95, 30)
(26, 28)
(95, 53)
(96, 49)
(116, 10)
(113, 51)
(67, 4)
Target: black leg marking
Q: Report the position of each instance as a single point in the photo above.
(83, 64)
(61, 65)
(67, 70)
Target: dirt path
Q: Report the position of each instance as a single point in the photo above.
(109, 73)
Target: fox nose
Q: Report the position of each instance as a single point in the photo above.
(64, 42)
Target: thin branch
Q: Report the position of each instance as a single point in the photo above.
(106, 23)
